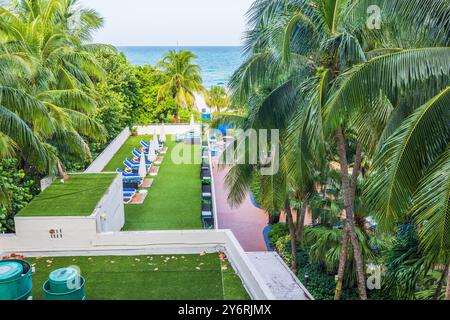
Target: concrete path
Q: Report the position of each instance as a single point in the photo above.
(278, 277)
(247, 222)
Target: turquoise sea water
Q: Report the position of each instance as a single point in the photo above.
(217, 63)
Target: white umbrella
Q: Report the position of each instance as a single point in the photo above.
(192, 122)
(142, 166)
(162, 134)
(155, 140)
(152, 152)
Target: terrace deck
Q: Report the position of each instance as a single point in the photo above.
(175, 277)
(77, 197)
(173, 201)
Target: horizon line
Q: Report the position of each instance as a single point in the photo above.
(162, 46)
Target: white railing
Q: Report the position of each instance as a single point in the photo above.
(105, 157)
(169, 129)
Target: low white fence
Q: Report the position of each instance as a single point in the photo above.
(170, 129)
(105, 157)
(153, 242)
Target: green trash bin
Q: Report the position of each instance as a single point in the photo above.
(64, 284)
(15, 280)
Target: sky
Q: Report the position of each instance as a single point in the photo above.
(171, 22)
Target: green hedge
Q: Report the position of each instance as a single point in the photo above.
(17, 190)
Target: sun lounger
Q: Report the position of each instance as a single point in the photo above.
(133, 166)
(145, 144)
(138, 152)
(128, 175)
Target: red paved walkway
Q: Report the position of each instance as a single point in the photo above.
(247, 222)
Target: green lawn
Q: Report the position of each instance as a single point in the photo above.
(177, 277)
(174, 200)
(77, 196)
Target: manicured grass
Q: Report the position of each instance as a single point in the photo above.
(174, 200)
(124, 152)
(77, 196)
(177, 277)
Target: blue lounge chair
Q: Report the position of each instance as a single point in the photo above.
(137, 162)
(145, 144)
(127, 199)
(128, 195)
(134, 167)
(129, 190)
(137, 154)
(128, 175)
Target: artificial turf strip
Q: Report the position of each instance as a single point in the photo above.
(177, 277)
(77, 196)
(174, 200)
(125, 152)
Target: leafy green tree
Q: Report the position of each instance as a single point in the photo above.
(47, 100)
(317, 63)
(183, 78)
(217, 98)
(153, 110)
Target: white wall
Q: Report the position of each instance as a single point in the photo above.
(110, 211)
(169, 129)
(105, 157)
(34, 232)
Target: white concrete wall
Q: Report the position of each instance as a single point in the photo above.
(32, 233)
(149, 242)
(46, 182)
(169, 129)
(105, 157)
(110, 211)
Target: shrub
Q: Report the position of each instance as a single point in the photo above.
(18, 189)
(278, 231)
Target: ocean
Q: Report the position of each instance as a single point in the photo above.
(217, 63)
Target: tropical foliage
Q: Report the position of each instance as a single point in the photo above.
(217, 98)
(368, 101)
(183, 78)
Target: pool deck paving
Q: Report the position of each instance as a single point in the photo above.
(246, 221)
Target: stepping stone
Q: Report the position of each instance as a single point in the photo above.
(139, 198)
(154, 171)
(159, 160)
(147, 183)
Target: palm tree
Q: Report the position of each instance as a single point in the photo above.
(217, 98)
(184, 77)
(405, 185)
(54, 89)
(333, 70)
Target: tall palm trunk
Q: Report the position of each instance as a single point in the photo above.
(292, 234)
(346, 232)
(342, 263)
(349, 195)
(62, 170)
(301, 215)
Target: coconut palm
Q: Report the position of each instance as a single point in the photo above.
(411, 178)
(342, 70)
(184, 77)
(47, 37)
(217, 98)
